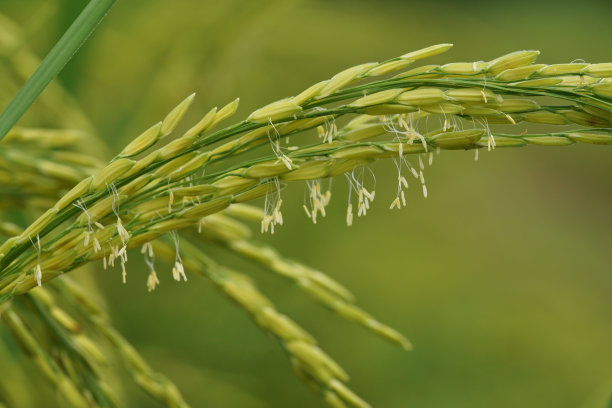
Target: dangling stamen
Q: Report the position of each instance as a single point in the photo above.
(178, 271)
(81, 205)
(272, 204)
(149, 258)
(484, 95)
(96, 245)
(124, 235)
(349, 215)
(123, 272)
(152, 280)
(37, 269)
(395, 203)
(276, 149)
(170, 201)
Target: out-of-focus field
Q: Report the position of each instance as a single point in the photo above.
(502, 277)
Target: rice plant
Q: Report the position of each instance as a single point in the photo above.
(167, 193)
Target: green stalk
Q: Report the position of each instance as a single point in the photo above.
(54, 62)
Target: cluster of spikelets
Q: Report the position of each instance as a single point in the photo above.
(198, 183)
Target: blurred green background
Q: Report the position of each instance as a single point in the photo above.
(501, 277)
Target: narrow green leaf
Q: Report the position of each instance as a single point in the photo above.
(53, 63)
